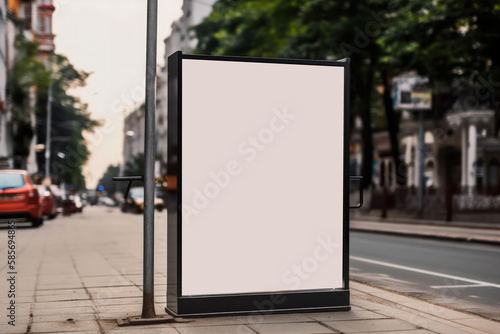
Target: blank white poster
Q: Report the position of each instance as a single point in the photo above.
(262, 177)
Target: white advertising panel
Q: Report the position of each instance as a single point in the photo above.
(262, 177)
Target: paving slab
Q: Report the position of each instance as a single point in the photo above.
(64, 326)
(291, 328)
(371, 326)
(230, 329)
(352, 315)
(146, 330)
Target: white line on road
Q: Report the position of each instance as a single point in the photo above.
(457, 286)
(427, 272)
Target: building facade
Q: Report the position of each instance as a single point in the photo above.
(180, 39)
(43, 30)
(133, 131)
(461, 163)
(3, 53)
(34, 20)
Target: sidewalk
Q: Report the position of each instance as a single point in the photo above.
(421, 228)
(80, 274)
(475, 220)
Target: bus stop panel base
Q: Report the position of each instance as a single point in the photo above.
(261, 303)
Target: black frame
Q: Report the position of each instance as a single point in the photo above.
(272, 302)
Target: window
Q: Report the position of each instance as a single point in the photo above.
(26, 15)
(11, 180)
(48, 25)
(40, 24)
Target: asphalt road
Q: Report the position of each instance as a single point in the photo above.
(458, 274)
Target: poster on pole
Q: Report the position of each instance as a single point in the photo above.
(411, 92)
(258, 184)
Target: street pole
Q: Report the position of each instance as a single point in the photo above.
(148, 308)
(49, 124)
(420, 161)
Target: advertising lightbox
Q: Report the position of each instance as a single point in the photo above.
(258, 183)
(411, 92)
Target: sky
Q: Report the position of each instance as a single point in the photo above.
(108, 39)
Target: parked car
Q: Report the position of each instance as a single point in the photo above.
(48, 202)
(135, 201)
(78, 203)
(19, 199)
(106, 201)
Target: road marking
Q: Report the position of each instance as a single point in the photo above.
(457, 286)
(427, 272)
(482, 248)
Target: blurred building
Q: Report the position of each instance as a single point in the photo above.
(5, 135)
(36, 18)
(3, 63)
(180, 39)
(33, 19)
(461, 159)
(7, 36)
(43, 30)
(133, 130)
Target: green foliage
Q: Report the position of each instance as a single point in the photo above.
(70, 119)
(252, 28)
(455, 43)
(26, 74)
(444, 39)
(28, 83)
(315, 29)
(107, 179)
(135, 165)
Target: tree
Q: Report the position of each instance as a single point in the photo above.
(318, 29)
(135, 165)
(451, 42)
(70, 119)
(448, 41)
(107, 179)
(26, 74)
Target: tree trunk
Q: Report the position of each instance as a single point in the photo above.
(366, 132)
(393, 128)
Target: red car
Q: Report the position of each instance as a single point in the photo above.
(47, 202)
(19, 199)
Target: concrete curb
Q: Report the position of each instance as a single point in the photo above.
(415, 221)
(428, 236)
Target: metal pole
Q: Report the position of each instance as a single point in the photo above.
(148, 307)
(49, 124)
(420, 161)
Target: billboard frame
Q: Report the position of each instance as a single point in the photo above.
(242, 303)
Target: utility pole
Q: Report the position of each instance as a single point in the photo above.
(148, 307)
(420, 161)
(49, 121)
(148, 316)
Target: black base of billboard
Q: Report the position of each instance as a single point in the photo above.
(262, 303)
